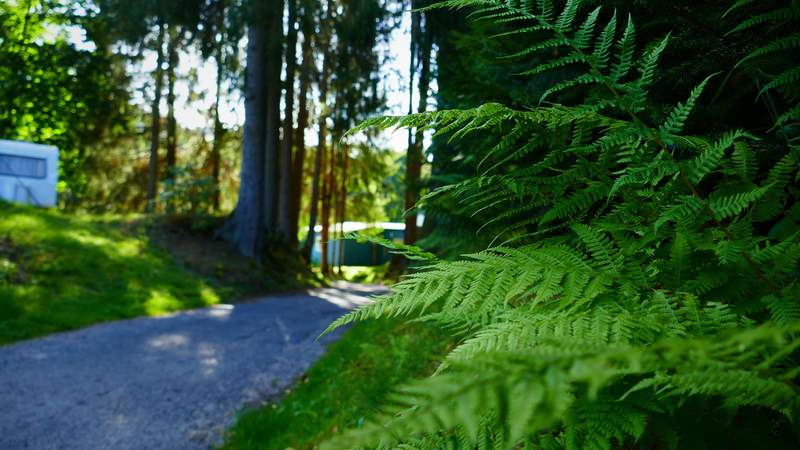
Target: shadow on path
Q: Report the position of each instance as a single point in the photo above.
(173, 382)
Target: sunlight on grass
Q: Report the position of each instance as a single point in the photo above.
(72, 271)
(161, 302)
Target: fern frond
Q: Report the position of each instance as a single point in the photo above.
(677, 118)
(781, 44)
(731, 205)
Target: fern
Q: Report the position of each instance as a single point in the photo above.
(781, 22)
(644, 268)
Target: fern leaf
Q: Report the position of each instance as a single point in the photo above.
(603, 46)
(730, 205)
(583, 38)
(626, 47)
(677, 118)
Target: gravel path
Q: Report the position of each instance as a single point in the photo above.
(173, 382)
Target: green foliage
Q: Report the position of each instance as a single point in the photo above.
(55, 91)
(187, 192)
(644, 270)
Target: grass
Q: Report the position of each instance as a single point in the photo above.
(343, 388)
(60, 272)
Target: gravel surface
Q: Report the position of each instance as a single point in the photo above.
(173, 382)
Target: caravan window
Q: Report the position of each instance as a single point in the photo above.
(23, 166)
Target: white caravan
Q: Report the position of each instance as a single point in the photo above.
(28, 173)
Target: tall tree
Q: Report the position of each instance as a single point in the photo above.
(414, 157)
(324, 44)
(284, 227)
(273, 118)
(299, 156)
(343, 204)
(174, 37)
(248, 219)
(219, 130)
(328, 186)
(155, 123)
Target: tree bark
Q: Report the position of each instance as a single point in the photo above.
(299, 157)
(336, 206)
(248, 229)
(343, 205)
(172, 138)
(273, 116)
(414, 159)
(321, 137)
(285, 176)
(219, 131)
(155, 127)
(327, 194)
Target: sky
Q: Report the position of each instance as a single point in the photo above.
(194, 99)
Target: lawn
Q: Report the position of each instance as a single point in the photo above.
(60, 272)
(344, 388)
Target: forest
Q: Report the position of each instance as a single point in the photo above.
(400, 224)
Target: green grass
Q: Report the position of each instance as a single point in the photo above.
(60, 272)
(343, 388)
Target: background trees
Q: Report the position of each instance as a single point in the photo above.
(58, 93)
(130, 68)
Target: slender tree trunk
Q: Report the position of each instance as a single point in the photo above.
(412, 68)
(248, 220)
(273, 119)
(327, 195)
(337, 207)
(216, 146)
(299, 157)
(219, 130)
(172, 126)
(414, 160)
(343, 202)
(285, 191)
(398, 263)
(323, 99)
(155, 127)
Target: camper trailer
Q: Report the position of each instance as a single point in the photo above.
(28, 173)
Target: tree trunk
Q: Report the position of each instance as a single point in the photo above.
(337, 207)
(343, 204)
(248, 229)
(299, 157)
(273, 115)
(216, 147)
(285, 190)
(327, 195)
(323, 99)
(219, 130)
(414, 159)
(172, 127)
(155, 127)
